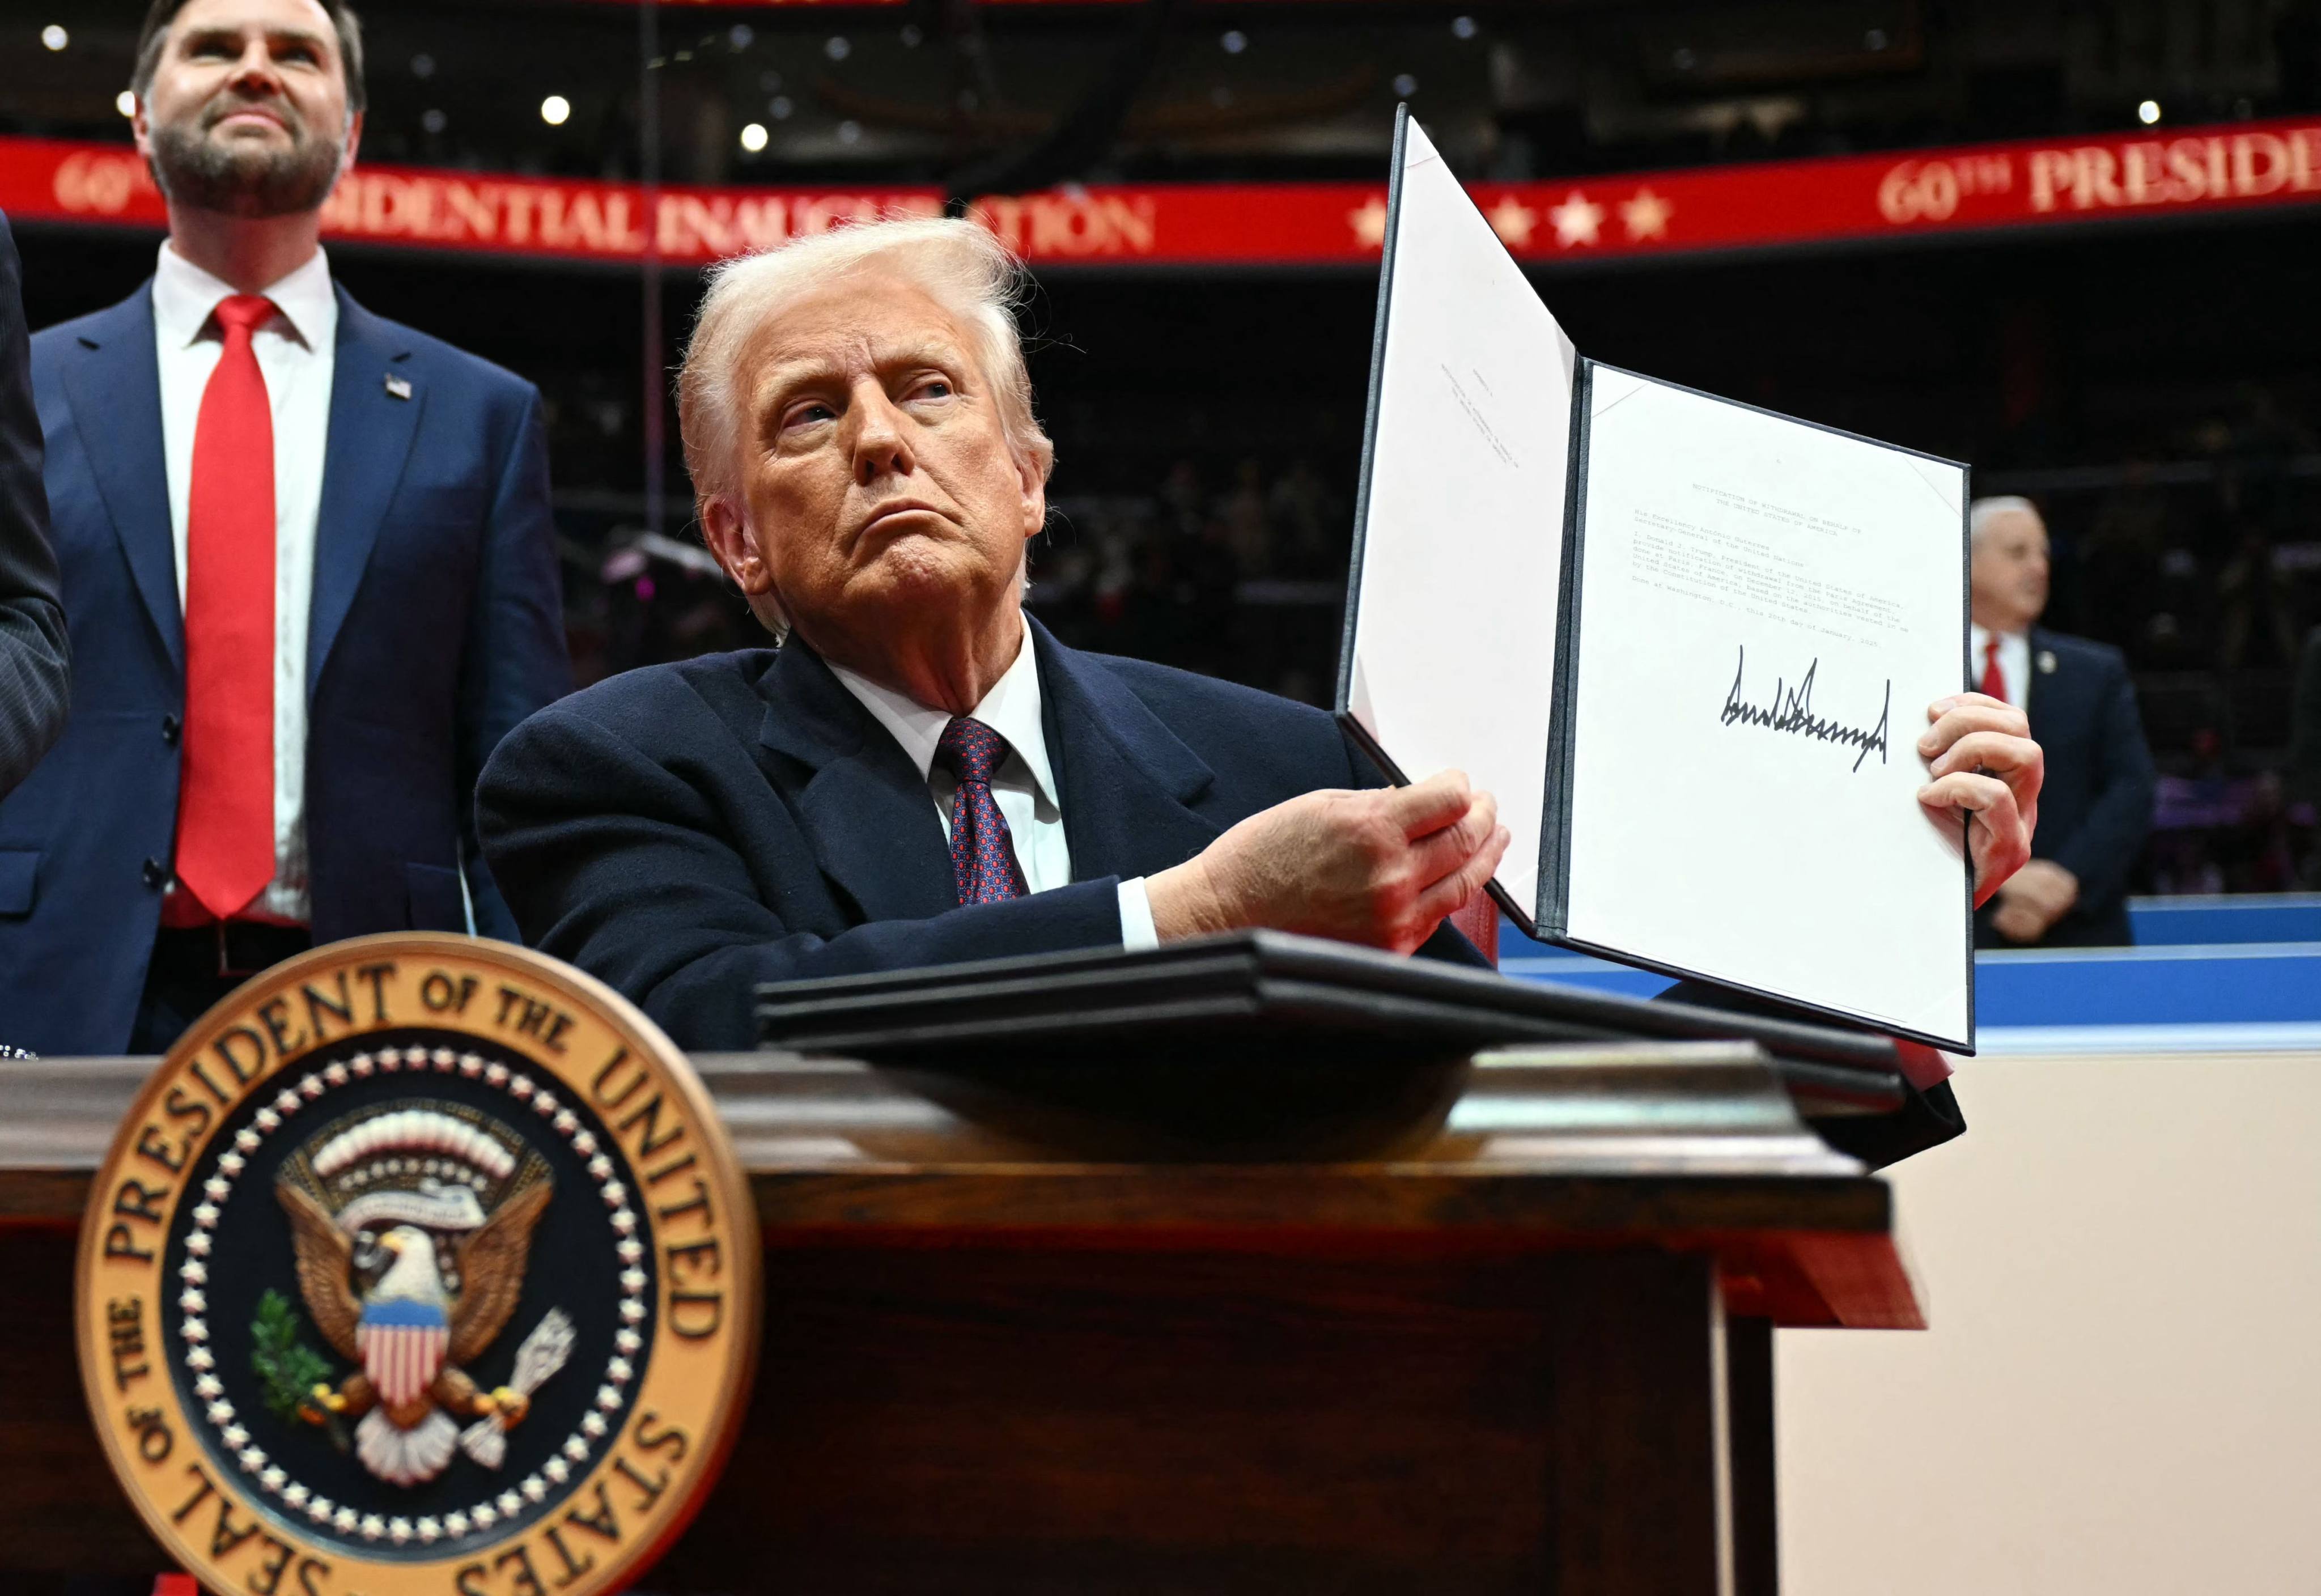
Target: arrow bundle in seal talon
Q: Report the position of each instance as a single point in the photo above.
(543, 1354)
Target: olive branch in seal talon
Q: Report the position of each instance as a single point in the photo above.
(287, 1369)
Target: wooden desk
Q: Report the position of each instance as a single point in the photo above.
(1477, 1325)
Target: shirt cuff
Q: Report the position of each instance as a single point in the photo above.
(1137, 934)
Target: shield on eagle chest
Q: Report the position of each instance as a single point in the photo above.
(402, 1344)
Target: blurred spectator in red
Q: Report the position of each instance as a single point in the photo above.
(2096, 804)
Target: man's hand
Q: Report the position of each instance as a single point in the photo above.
(2041, 893)
(1381, 868)
(1984, 763)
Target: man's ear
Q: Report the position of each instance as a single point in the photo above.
(354, 142)
(1035, 496)
(727, 532)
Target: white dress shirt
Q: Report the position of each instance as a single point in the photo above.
(2014, 661)
(1024, 786)
(295, 352)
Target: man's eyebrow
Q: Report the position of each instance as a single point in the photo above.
(220, 33)
(797, 369)
(273, 31)
(925, 351)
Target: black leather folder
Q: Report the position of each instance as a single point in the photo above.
(1264, 994)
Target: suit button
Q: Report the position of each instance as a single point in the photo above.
(155, 875)
(170, 726)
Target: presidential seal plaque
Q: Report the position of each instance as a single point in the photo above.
(421, 1265)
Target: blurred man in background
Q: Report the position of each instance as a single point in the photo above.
(33, 677)
(2304, 772)
(309, 567)
(2096, 804)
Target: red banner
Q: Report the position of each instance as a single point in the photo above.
(1871, 196)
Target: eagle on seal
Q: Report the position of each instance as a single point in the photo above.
(410, 1333)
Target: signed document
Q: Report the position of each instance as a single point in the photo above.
(1689, 643)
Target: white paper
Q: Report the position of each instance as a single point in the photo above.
(1765, 610)
(1453, 656)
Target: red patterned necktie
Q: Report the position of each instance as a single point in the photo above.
(982, 854)
(1994, 679)
(226, 794)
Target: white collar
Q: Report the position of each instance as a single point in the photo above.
(1011, 709)
(185, 298)
(1980, 637)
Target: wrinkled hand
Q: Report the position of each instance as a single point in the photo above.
(2041, 893)
(1380, 867)
(1985, 763)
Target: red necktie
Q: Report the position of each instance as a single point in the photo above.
(1994, 679)
(225, 796)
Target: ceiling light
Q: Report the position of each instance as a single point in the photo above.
(1234, 41)
(126, 102)
(753, 137)
(1405, 86)
(1462, 27)
(2148, 112)
(836, 48)
(554, 110)
(55, 37)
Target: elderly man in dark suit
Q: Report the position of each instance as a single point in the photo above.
(2096, 804)
(309, 566)
(922, 775)
(34, 677)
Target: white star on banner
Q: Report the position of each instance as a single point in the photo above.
(1369, 223)
(1577, 220)
(1513, 221)
(1646, 216)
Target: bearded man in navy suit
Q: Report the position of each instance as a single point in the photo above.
(2096, 804)
(922, 775)
(309, 571)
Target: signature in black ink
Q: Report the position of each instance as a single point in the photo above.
(1791, 710)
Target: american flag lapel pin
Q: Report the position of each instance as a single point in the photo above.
(399, 388)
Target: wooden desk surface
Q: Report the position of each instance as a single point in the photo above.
(1689, 1146)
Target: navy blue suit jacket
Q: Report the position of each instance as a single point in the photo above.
(2096, 804)
(436, 625)
(685, 832)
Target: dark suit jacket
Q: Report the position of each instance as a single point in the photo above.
(2096, 804)
(33, 652)
(2304, 770)
(686, 831)
(436, 626)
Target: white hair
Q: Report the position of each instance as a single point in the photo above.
(1984, 511)
(957, 262)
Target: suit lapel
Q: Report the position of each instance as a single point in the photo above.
(2037, 689)
(113, 381)
(371, 429)
(1126, 779)
(873, 826)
